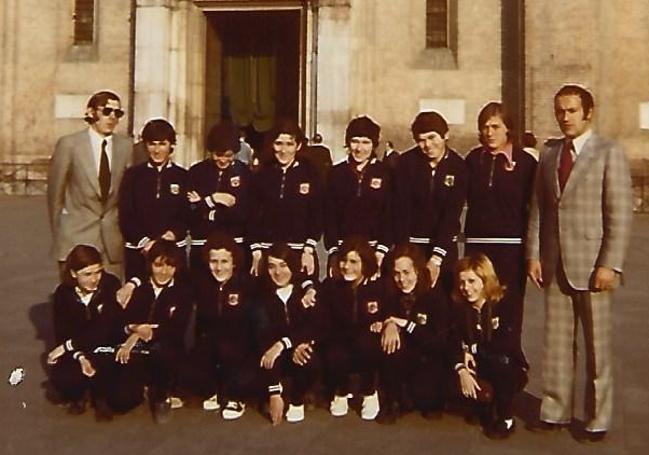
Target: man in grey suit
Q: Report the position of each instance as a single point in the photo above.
(85, 173)
(579, 230)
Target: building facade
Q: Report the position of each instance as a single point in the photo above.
(323, 61)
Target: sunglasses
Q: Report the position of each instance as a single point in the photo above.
(106, 111)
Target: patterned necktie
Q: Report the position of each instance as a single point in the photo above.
(565, 163)
(104, 172)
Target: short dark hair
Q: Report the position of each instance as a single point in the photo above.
(219, 240)
(495, 109)
(428, 121)
(360, 245)
(158, 130)
(168, 251)
(97, 99)
(222, 137)
(587, 100)
(283, 252)
(79, 257)
(285, 126)
(414, 253)
(363, 126)
(529, 140)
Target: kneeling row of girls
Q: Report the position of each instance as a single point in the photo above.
(268, 340)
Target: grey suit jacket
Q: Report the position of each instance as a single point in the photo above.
(76, 212)
(589, 224)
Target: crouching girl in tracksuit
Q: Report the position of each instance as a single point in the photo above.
(490, 365)
(224, 356)
(153, 330)
(289, 334)
(84, 309)
(414, 339)
(354, 308)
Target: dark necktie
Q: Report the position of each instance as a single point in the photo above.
(565, 163)
(104, 172)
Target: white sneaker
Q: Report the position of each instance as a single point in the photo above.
(176, 402)
(211, 404)
(295, 413)
(339, 406)
(370, 408)
(233, 410)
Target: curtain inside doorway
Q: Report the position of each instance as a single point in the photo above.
(251, 82)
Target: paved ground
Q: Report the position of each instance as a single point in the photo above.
(30, 424)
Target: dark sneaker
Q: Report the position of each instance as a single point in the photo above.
(76, 408)
(162, 411)
(103, 412)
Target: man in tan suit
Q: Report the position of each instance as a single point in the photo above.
(579, 230)
(84, 177)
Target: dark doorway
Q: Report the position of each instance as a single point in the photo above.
(253, 69)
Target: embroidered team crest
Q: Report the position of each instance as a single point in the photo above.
(376, 183)
(422, 318)
(172, 310)
(372, 307)
(305, 188)
(495, 323)
(174, 188)
(235, 181)
(449, 180)
(233, 299)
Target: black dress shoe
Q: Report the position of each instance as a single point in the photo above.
(432, 414)
(545, 427)
(500, 430)
(591, 436)
(387, 417)
(76, 408)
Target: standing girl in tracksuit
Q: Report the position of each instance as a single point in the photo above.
(152, 201)
(359, 193)
(84, 310)
(289, 334)
(287, 201)
(500, 180)
(430, 189)
(218, 190)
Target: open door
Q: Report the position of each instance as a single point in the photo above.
(253, 69)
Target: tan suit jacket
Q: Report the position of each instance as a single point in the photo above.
(76, 212)
(587, 226)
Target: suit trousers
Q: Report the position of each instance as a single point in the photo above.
(564, 309)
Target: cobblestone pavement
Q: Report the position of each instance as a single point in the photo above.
(30, 424)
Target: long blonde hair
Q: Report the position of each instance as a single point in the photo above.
(482, 266)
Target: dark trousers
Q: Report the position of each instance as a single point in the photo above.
(302, 377)
(224, 366)
(424, 377)
(507, 378)
(360, 354)
(157, 370)
(509, 262)
(72, 384)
